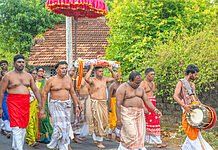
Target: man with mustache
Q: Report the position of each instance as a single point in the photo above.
(130, 113)
(61, 88)
(17, 82)
(184, 99)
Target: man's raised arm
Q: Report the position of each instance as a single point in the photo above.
(114, 76)
(87, 76)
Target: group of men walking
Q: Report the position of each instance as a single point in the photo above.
(127, 109)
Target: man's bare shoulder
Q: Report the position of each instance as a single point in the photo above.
(122, 86)
(140, 89)
(50, 79)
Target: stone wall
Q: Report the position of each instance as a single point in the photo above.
(172, 112)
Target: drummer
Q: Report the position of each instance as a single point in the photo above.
(184, 99)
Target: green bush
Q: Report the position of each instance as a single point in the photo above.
(170, 60)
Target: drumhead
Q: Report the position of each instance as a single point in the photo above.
(197, 116)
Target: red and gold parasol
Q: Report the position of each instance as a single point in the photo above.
(78, 8)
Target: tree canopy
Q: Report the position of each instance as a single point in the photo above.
(21, 20)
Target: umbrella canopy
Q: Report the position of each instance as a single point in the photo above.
(78, 8)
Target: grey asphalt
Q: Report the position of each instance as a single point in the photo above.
(5, 144)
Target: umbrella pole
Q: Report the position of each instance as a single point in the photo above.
(75, 29)
(69, 46)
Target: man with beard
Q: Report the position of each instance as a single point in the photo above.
(152, 120)
(5, 126)
(130, 113)
(98, 85)
(184, 99)
(17, 82)
(61, 88)
(45, 127)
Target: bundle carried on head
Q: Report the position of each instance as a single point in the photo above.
(82, 63)
(96, 62)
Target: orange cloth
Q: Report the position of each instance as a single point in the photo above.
(112, 115)
(19, 109)
(191, 132)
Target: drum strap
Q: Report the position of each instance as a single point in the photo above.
(187, 86)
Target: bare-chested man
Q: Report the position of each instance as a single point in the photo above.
(152, 120)
(84, 119)
(130, 112)
(183, 97)
(17, 82)
(99, 102)
(5, 126)
(61, 88)
(112, 110)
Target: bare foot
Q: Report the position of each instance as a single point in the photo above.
(69, 147)
(35, 144)
(162, 145)
(100, 145)
(75, 140)
(82, 138)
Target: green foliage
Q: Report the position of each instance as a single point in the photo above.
(170, 60)
(21, 20)
(166, 35)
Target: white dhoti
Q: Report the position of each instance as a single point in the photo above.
(60, 113)
(18, 136)
(198, 144)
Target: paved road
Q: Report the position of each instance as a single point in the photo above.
(5, 144)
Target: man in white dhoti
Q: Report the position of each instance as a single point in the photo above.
(183, 98)
(60, 88)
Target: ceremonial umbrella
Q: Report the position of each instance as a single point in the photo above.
(76, 9)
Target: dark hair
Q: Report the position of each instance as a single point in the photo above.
(148, 70)
(133, 75)
(18, 56)
(60, 63)
(31, 71)
(191, 69)
(98, 67)
(39, 67)
(3, 61)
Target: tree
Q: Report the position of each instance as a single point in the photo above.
(137, 27)
(21, 20)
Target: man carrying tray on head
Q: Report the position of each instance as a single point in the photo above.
(98, 101)
(194, 140)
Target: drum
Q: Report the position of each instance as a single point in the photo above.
(201, 116)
